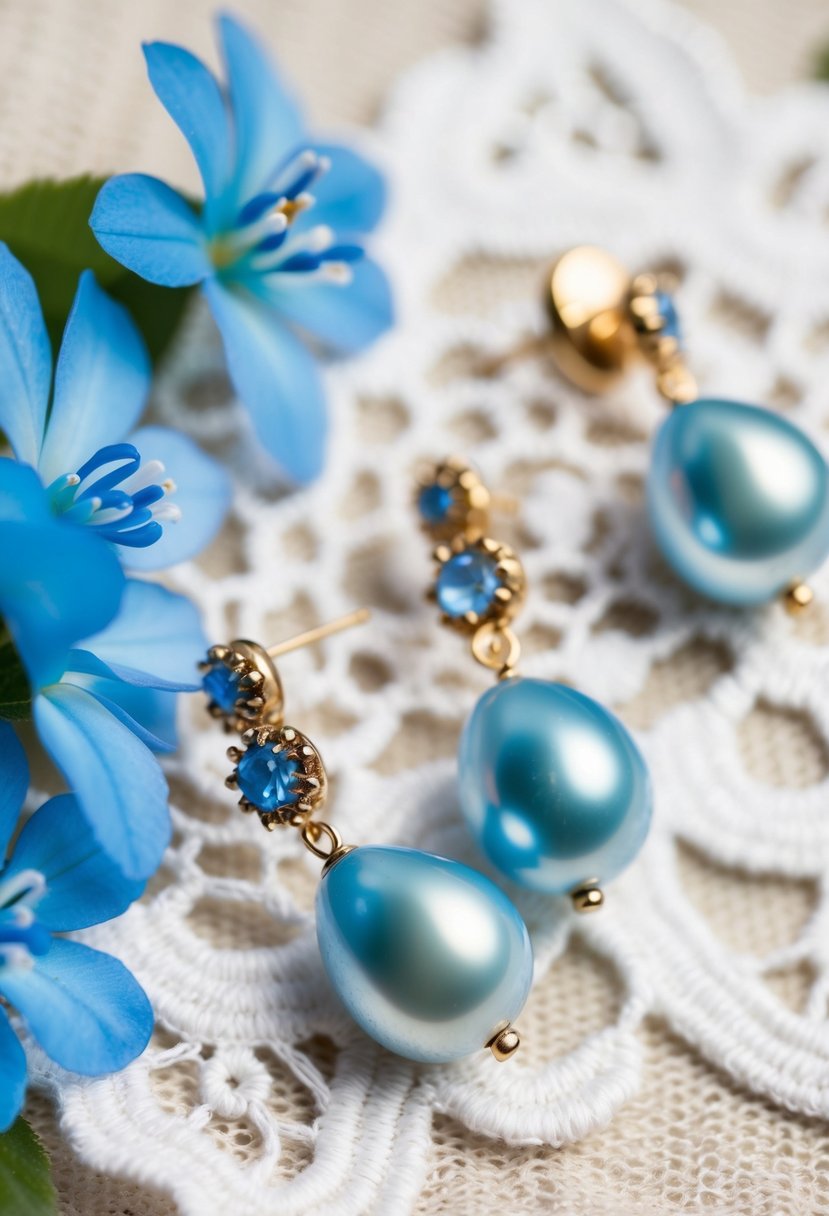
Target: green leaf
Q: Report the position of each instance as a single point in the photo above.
(46, 225)
(15, 694)
(25, 1179)
(821, 68)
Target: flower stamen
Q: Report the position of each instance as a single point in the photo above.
(124, 499)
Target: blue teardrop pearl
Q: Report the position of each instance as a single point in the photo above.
(427, 955)
(738, 500)
(554, 789)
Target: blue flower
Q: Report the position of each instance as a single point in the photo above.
(83, 1007)
(105, 656)
(277, 244)
(84, 447)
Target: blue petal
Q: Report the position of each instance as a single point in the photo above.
(25, 360)
(83, 1007)
(64, 583)
(114, 696)
(117, 781)
(83, 887)
(22, 497)
(191, 96)
(14, 781)
(149, 712)
(277, 380)
(12, 1074)
(151, 230)
(157, 633)
(87, 670)
(345, 319)
(267, 121)
(101, 381)
(203, 494)
(350, 197)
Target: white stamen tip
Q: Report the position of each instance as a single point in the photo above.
(167, 513)
(169, 486)
(339, 273)
(319, 239)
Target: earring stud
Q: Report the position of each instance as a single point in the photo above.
(242, 683)
(451, 500)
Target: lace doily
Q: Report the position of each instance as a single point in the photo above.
(608, 122)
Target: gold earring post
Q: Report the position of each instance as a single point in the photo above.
(358, 617)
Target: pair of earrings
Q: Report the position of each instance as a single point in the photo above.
(428, 956)
(737, 497)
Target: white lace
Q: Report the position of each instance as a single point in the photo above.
(606, 122)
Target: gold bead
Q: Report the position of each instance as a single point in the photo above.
(798, 598)
(587, 898)
(505, 1043)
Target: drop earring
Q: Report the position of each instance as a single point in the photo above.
(428, 956)
(551, 784)
(737, 497)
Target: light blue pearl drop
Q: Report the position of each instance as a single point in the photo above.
(738, 500)
(553, 787)
(430, 957)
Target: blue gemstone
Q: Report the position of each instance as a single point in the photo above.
(430, 957)
(222, 686)
(434, 503)
(552, 786)
(670, 317)
(266, 777)
(738, 500)
(467, 583)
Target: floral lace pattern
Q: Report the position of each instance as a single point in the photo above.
(610, 123)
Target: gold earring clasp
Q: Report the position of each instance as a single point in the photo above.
(593, 338)
(604, 320)
(241, 681)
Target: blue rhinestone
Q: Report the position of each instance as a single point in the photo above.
(467, 583)
(222, 686)
(265, 777)
(434, 503)
(670, 317)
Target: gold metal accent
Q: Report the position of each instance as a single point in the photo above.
(312, 832)
(504, 1043)
(260, 699)
(495, 646)
(512, 587)
(593, 339)
(358, 617)
(673, 379)
(470, 499)
(798, 597)
(310, 781)
(587, 897)
(602, 320)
